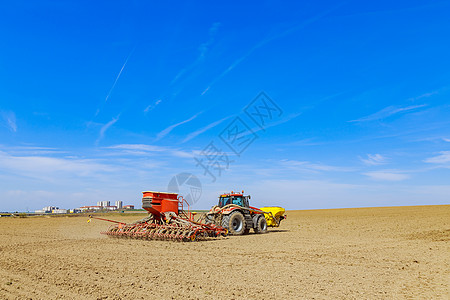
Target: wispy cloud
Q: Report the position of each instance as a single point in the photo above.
(205, 91)
(50, 168)
(285, 120)
(387, 112)
(166, 131)
(105, 127)
(425, 95)
(212, 33)
(115, 81)
(138, 147)
(30, 150)
(145, 150)
(118, 76)
(269, 39)
(9, 120)
(203, 129)
(374, 159)
(152, 106)
(203, 49)
(446, 140)
(314, 167)
(387, 175)
(442, 160)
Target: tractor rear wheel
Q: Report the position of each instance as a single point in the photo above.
(261, 225)
(234, 222)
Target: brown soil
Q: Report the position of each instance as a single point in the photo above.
(365, 253)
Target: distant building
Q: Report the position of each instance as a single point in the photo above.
(128, 207)
(49, 209)
(119, 204)
(95, 208)
(99, 203)
(89, 208)
(105, 203)
(46, 210)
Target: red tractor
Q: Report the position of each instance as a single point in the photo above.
(234, 213)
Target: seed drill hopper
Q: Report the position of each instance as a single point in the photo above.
(169, 218)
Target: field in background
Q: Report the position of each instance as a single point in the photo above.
(397, 252)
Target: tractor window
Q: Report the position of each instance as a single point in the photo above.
(237, 201)
(224, 201)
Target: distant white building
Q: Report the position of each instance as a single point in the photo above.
(119, 204)
(46, 210)
(105, 203)
(89, 208)
(49, 209)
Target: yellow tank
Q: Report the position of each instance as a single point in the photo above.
(273, 215)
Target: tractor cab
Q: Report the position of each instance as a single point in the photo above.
(237, 199)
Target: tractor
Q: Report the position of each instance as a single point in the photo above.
(234, 213)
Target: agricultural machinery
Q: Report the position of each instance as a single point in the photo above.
(234, 213)
(167, 220)
(170, 218)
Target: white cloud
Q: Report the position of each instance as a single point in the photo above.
(443, 159)
(152, 106)
(267, 40)
(374, 159)
(166, 131)
(387, 112)
(105, 127)
(118, 75)
(257, 129)
(205, 90)
(139, 147)
(304, 194)
(9, 119)
(387, 175)
(30, 150)
(205, 46)
(446, 140)
(314, 167)
(145, 150)
(201, 130)
(49, 167)
(311, 194)
(64, 177)
(114, 84)
(425, 95)
(203, 49)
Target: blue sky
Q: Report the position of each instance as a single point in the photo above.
(104, 100)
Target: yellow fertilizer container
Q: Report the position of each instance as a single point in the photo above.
(273, 215)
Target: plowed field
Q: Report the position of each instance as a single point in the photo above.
(364, 253)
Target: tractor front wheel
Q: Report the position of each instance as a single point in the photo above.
(234, 222)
